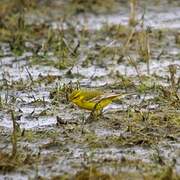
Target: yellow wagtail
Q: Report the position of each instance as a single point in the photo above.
(93, 100)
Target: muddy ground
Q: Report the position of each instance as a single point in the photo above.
(48, 48)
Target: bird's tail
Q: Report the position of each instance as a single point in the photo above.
(117, 96)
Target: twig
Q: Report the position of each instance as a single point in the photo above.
(14, 136)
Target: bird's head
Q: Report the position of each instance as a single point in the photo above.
(75, 95)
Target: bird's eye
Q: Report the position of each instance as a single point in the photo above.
(76, 96)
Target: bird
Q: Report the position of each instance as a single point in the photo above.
(93, 100)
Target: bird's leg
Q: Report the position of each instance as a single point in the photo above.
(92, 117)
(94, 113)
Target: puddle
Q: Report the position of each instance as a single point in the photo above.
(165, 17)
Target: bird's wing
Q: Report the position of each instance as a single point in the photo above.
(109, 96)
(89, 95)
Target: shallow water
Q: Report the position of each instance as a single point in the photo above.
(124, 133)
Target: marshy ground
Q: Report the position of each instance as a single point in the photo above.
(47, 48)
